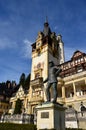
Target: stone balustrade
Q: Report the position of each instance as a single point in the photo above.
(18, 118)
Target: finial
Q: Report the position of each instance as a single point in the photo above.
(46, 21)
(46, 30)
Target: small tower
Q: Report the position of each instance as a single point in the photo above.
(60, 49)
(47, 47)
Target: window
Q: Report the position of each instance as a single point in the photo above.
(81, 59)
(75, 61)
(39, 52)
(78, 60)
(38, 72)
(79, 68)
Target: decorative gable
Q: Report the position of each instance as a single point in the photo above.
(77, 54)
(20, 92)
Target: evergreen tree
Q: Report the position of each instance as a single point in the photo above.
(18, 107)
(27, 82)
(22, 80)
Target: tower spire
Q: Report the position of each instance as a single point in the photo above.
(46, 30)
(46, 21)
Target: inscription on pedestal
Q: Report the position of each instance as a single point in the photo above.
(44, 114)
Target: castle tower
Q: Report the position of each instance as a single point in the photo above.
(47, 47)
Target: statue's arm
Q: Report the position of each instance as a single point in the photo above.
(58, 71)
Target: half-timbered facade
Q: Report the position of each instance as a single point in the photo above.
(74, 78)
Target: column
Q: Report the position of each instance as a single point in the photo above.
(29, 108)
(74, 89)
(63, 94)
(14, 103)
(63, 91)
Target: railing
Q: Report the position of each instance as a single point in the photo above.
(69, 99)
(75, 115)
(81, 115)
(75, 75)
(59, 99)
(18, 118)
(75, 119)
(77, 98)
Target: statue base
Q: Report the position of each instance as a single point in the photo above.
(50, 116)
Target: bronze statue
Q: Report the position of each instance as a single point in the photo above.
(52, 81)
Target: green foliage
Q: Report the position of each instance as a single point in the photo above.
(2, 84)
(22, 79)
(27, 82)
(18, 107)
(73, 129)
(10, 126)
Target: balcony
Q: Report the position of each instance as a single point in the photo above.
(37, 81)
(81, 97)
(60, 100)
(69, 99)
(75, 76)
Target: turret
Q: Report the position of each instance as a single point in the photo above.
(60, 49)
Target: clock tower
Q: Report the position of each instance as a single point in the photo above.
(47, 47)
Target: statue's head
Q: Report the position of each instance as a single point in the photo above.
(51, 63)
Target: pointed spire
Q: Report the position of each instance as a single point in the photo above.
(46, 30)
(46, 21)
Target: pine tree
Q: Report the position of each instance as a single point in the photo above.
(22, 80)
(18, 107)
(27, 82)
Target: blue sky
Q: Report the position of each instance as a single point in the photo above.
(21, 20)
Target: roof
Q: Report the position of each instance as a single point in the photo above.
(77, 53)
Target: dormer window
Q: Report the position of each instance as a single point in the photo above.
(79, 68)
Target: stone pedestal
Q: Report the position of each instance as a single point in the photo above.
(50, 116)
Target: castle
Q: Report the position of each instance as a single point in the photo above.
(71, 82)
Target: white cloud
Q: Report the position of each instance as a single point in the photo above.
(6, 43)
(56, 27)
(26, 48)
